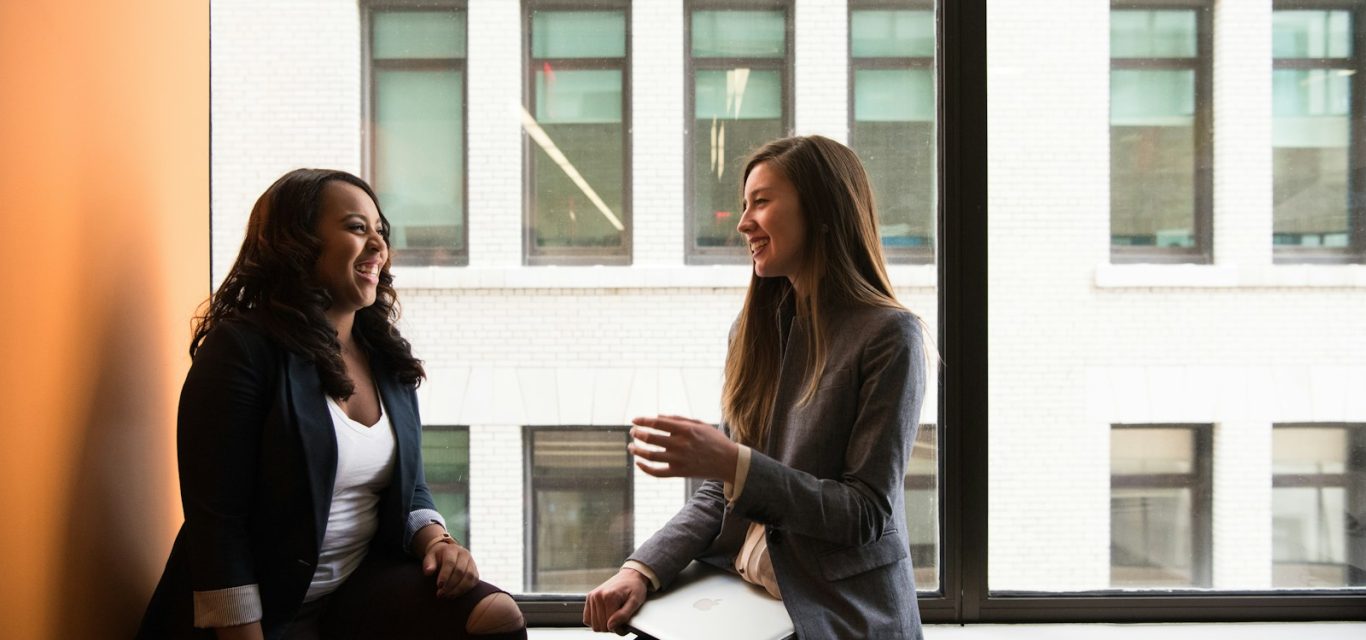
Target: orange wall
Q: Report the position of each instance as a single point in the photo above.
(104, 241)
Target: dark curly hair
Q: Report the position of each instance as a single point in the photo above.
(271, 285)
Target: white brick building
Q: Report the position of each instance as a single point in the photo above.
(1078, 344)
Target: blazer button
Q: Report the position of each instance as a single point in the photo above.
(775, 537)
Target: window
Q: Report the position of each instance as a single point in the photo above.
(922, 507)
(1315, 143)
(739, 80)
(578, 144)
(446, 460)
(1160, 141)
(1318, 506)
(1160, 506)
(417, 129)
(892, 119)
(579, 507)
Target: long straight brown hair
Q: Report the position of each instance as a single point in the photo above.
(843, 267)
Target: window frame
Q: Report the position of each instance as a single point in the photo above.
(1355, 251)
(575, 256)
(530, 537)
(692, 253)
(961, 45)
(893, 255)
(416, 257)
(1203, 67)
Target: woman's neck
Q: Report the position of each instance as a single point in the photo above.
(343, 323)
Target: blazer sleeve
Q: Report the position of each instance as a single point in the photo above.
(686, 536)
(223, 406)
(423, 511)
(855, 508)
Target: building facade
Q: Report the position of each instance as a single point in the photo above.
(1177, 391)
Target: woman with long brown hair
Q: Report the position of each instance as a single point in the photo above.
(307, 514)
(824, 379)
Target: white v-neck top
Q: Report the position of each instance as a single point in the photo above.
(365, 465)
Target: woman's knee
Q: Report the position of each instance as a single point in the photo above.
(496, 613)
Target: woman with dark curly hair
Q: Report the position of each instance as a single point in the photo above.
(307, 514)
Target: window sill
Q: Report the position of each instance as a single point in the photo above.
(1197, 276)
(1200, 631)
(610, 277)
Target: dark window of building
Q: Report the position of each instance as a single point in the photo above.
(577, 126)
(416, 143)
(1315, 83)
(1160, 141)
(1160, 489)
(1318, 506)
(892, 119)
(579, 507)
(739, 92)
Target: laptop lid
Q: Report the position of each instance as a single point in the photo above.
(706, 603)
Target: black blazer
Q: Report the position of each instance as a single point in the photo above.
(258, 456)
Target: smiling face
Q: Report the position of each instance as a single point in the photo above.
(772, 224)
(353, 250)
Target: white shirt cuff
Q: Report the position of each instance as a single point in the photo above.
(227, 607)
(733, 490)
(645, 571)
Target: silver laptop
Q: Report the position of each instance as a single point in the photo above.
(706, 603)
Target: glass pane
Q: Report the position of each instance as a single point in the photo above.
(1153, 34)
(922, 507)
(736, 112)
(1311, 34)
(1137, 451)
(1150, 538)
(418, 34)
(446, 461)
(891, 33)
(894, 134)
(419, 158)
(1310, 132)
(1157, 517)
(739, 34)
(1152, 158)
(578, 34)
(1317, 506)
(579, 191)
(582, 508)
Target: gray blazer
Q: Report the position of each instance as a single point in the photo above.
(828, 485)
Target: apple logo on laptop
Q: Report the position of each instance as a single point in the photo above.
(706, 604)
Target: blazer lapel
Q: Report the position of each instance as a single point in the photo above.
(398, 404)
(317, 436)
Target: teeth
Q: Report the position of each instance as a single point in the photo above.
(368, 269)
(754, 247)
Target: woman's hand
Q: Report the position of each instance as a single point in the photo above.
(690, 448)
(610, 606)
(450, 562)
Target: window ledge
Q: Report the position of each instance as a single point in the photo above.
(1184, 631)
(1200, 276)
(610, 277)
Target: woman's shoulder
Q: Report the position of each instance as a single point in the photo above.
(236, 335)
(876, 321)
